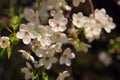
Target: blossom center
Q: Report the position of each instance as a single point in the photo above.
(57, 24)
(47, 58)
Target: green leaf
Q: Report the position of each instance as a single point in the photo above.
(70, 36)
(14, 40)
(80, 30)
(44, 75)
(15, 21)
(12, 10)
(9, 51)
(21, 10)
(2, 52)
(80, 43)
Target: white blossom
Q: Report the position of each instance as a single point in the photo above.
(63, 75)
(56, 47)
(31, 16)
(37, 48)
(105, 58)
(59, 37)
(27, 55)
(118, 2)
(79, 20)
(80, 46)
(48, 59)
(26, 71)
(104, 19)
(66, 56)
(4, 42)
(44, 35)
(92, 30)
(26, 33)
(77, 2)
(58, 23)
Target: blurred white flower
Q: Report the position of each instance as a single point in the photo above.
(92, 30)
(44, 35)
(26, 71)
(77, 2)
(26, 33)
(80, 46)
(59, 37)
(66, 56)
(104, 19)
(79, 20)
(48, 59)
(58, 23)
(105, 58)
(27, 55)
(56, 47)
(63, 75)
(37, 48)
(4, 42)
(44, 40)
(31, 16)
(118, 2)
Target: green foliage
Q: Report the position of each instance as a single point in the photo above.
(9, 51)
(15, 22)
(21, 10)
(2, 52)
(79, 30)
(44, 75)
(80, 43)
(12, 10)
(14, 40)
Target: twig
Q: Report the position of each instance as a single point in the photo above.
(91, 6)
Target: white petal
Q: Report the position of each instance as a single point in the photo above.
(22, 27)
(48, 65)
(26, 40)
(33, 34)
(71, 55)
(20, 35)
(53, 60)
(52, 22)
(28, 65)
(28, 13)
(76, 2)
(67, 62)
(25, 70)
(30, 26)
(31, 58)
(27, 76)
(62, 60)
(62, 28)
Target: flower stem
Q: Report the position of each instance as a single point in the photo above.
(91, 6)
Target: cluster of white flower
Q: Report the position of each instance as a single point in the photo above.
(46, 40)
(94, 23)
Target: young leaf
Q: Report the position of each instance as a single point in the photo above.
(14, 40)
(79, 30)
(2, 52)
(15, 21)
(44, 75)
(9, 51)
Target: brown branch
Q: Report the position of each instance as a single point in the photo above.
(91, 6)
